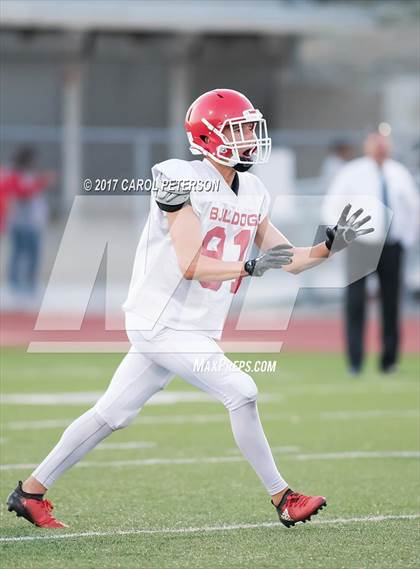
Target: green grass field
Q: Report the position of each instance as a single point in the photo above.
(353, 440)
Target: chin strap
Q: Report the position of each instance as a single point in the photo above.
(243, 167)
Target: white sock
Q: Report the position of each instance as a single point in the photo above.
(250, 438)
(77, 440)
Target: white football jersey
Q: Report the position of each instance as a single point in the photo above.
(158, 293)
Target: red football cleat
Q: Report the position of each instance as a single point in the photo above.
(296, 507)
(35, 510)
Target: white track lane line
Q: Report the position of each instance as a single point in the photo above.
(204, 529)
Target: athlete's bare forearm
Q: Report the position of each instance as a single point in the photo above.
(186, 237)
(304, 258)
(208, 269)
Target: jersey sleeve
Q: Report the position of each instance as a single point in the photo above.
(195, 202)
(266, 202)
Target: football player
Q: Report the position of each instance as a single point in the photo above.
(191, 258)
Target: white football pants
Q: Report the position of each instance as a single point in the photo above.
(153, 360)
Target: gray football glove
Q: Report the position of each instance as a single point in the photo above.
(274, 258)
(346, 230)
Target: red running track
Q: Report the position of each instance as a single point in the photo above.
(302, 334)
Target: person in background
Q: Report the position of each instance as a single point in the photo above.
(339, 153)
(376, 175)
(5, 197)
(26, 207)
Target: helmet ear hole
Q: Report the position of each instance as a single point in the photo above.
(204, 138)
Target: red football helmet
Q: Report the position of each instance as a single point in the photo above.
(211, 113)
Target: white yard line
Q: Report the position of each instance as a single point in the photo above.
(358, 454)
(125, 445)
(173, 397)
(223, 417)
(91, 397)
(136, 462)
(279, 450)
(41, 424)
(372, 414)
(226, 459)
(348, 387)
(204, 529)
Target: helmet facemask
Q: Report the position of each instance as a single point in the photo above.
(238, 150)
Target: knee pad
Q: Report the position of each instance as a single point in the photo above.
(117, 418)
(242, 390)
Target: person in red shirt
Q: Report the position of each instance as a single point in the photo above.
(23, 211)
